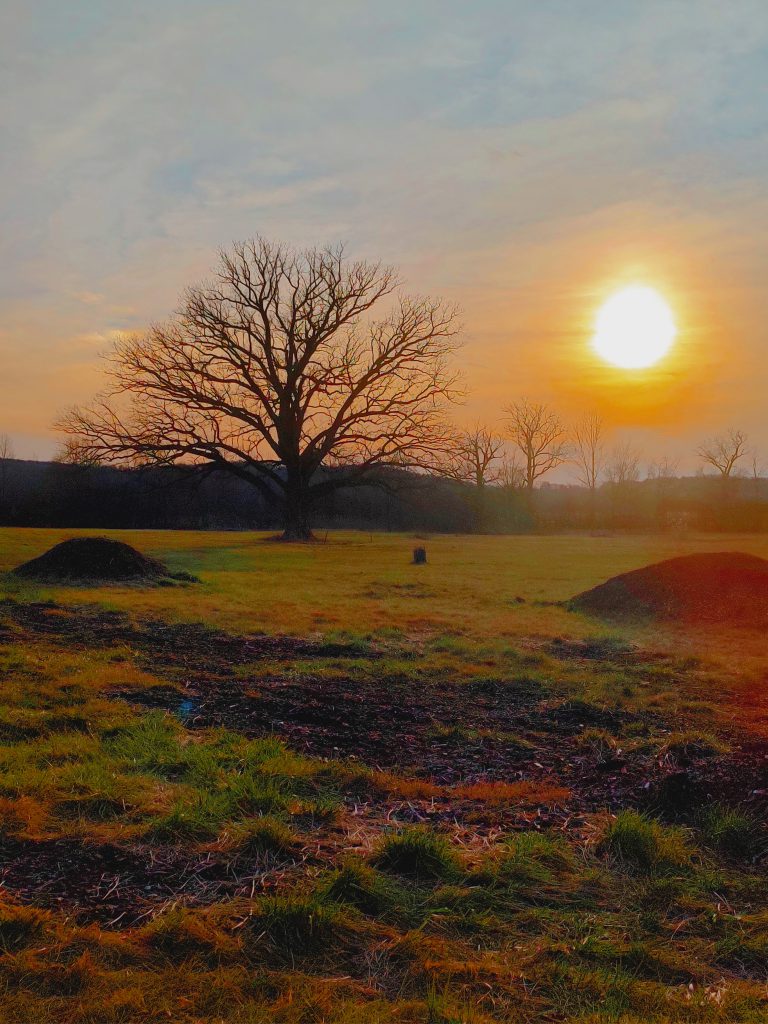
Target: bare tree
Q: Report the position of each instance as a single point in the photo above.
(724, 452)
(511, 474)
(757, 470)
(588, 451)
(476, 457)
(539, 435)
(663, 468)
(623, 465)
(6, 452)
(277, 372)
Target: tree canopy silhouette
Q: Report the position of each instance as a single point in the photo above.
(275, 369)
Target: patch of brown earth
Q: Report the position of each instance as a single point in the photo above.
(93, 559)
(724, 588)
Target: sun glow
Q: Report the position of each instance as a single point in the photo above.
(634, 328)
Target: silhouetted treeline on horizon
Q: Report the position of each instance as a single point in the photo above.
(52, 494)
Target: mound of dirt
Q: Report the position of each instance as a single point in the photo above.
(729, 588)
(87, 559)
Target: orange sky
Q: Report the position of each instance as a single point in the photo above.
(521, 160)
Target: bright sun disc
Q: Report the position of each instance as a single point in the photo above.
(634, 328)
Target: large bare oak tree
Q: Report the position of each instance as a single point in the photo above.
(276, 368)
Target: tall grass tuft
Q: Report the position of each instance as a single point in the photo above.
(298, 923)
(417, 853)
(732, 832)
(641, 844)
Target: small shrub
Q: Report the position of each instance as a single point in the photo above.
(642, 844)
(418, 853)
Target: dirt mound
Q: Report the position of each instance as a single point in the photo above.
(728, 588)
(92, 558)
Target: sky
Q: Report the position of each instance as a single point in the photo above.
(522, 159)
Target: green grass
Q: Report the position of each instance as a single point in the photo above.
(639, 843)
(312, 890)
(264, 837)
(732, 832)
(298, 924)
(417, 853)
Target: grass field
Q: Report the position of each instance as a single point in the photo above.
(325, 785)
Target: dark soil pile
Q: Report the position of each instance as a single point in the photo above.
(728, 588)
(85, 559)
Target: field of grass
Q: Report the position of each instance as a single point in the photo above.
(324, 785)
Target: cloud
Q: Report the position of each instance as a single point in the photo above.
(515, 157)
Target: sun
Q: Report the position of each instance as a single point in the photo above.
(634, 328)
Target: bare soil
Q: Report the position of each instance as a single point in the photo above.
(724, 588)
(82, 559)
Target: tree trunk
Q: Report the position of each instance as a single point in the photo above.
(480, 508)
(296, 520)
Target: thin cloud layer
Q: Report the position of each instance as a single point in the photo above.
(520, 159)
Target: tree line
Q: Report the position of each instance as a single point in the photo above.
(537, 441)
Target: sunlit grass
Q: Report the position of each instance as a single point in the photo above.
(368, 896)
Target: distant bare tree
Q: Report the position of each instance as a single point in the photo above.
(663, 468)
(540, 436)
(511, 474)
(588, 451)
(475, 457)
(275, 370)
(623, 465)
(757, 471)
(723, 453)
(6, 452)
